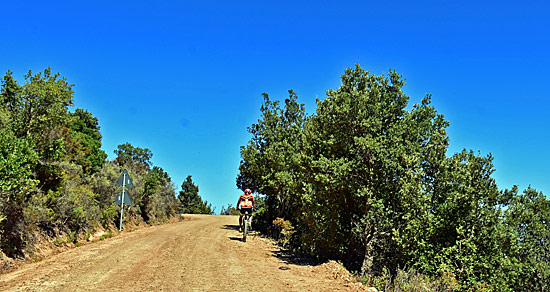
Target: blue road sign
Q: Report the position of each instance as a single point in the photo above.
(124, 180)
(127, 200)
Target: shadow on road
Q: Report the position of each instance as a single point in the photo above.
(283, 254)
(231, 227)
(288, 258)
(234, 228)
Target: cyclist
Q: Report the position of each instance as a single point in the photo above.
(246, 203)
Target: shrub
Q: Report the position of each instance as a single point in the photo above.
(413, 281)
(109, 215)
(284, 230)
(260, 220)
(106, 235)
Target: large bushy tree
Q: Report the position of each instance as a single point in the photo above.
(366, 179)
(274, 155)
(369, 157)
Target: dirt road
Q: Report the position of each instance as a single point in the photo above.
(200, 253)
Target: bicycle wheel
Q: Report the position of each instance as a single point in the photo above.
(245, 231)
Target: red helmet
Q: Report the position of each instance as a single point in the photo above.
(247, 191)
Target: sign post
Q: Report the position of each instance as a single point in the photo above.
(123, 198)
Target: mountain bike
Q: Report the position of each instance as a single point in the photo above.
(246, 225)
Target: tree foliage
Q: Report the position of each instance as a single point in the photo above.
(86, 139)
(230, 210)
(55, 177)
(366, 179)
(191, 201)
(158, 195)
(134, 156)
(528, 216)
(270, 161)
(17, 159)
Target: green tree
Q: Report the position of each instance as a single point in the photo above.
(86, 142)
(134, 156)
(230, 210)
(43, 106)
(254, 164)
(272, 159)
(37, 115)
(367, 159)
(528, 215)
(17, 159)
(155, 181)
(153, 192)
(368, 181)
(465, 235)
(38, 112)
(9, 99)
(10, 92)
(54, 177)
(191, 201)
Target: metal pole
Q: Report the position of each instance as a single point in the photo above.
(122, 200)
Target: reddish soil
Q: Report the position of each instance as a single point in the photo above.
(200, 253)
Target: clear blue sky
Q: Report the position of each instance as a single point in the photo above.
(184, 78)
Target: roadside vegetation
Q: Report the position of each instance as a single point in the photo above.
(191, 201)
(367, 180)
(55, 180)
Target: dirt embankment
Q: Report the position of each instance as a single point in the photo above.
(201, 253)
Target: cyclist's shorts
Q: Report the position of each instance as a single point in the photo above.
(243, 210)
